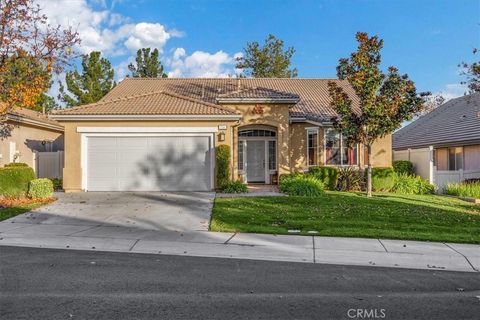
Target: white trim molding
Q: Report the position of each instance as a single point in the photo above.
(135, 117)
(147, 129)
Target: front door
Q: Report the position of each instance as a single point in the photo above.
(256, 161)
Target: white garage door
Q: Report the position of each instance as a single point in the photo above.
(162, 163)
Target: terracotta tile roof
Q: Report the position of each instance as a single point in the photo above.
(147, 103)
(259, 93)
(314, 101)
(31, 115)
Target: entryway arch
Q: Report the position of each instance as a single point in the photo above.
(257, 153)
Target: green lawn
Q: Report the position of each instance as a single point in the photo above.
(9, 212)
(390, 216)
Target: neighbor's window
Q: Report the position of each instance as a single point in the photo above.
(312, 147)
(272, 155)
(337, 151)
(471, 156)
(455, 158)
(450, 159)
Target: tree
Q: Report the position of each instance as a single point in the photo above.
(147, 65)
(269, 61)
(95, 81)
(472, 74)
(432, 102)
(30, 50)
(383, 101)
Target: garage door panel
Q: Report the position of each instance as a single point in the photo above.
(132, 142)
(164, 163)
(105, 142)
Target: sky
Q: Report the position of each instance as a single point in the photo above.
(425, 39)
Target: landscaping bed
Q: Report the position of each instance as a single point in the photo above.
(386, 215)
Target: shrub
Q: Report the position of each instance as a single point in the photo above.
(223, 165)
(327, 175)
(471, 190)
(40, 188)
(301, 185)
(57, 184)
(408, 184)
(350, 179)
(235, 186)
(14, 181)
(403, 167)
(383, 179)
(16, 164)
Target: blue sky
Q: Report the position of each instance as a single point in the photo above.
(426, 39)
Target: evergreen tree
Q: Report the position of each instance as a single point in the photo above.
(147, 64)
(269, 61)
(95, 81)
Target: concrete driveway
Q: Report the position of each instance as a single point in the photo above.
(186, 211)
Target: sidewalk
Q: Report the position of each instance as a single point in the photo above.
(293, 248)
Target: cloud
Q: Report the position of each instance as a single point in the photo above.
(104, 30)
(452, 90)
(201, 64)
(146, 35)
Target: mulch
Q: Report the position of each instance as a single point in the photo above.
(18, 202)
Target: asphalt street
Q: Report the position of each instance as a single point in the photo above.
(68, 284)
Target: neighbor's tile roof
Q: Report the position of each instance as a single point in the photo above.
(259, 93)
(32, 115)
(148, 103)
(314, 101)
(455, 122)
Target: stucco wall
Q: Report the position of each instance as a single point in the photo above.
(291, 140)
(28, 139)
(276, 116)
(382, 152)
(298, 142)
(72, 173)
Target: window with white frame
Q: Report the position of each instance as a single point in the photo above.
(337, 151)
(312, 147)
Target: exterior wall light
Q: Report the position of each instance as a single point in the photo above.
(221, 136)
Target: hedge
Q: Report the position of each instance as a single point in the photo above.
(14, 181)
(327, 175)
(383, 179)
(16, 164)
(40, 188)
(236, 186)
(222, 158)
(301, 185)
(408, 184)
(403, 167)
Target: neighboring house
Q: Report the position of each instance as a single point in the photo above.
(29, 132)
(443, 145)
(161, 134)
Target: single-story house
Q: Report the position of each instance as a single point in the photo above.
(28, 132)
(444, 145)
(161, 133)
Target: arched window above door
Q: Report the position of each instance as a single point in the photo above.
(256, 133)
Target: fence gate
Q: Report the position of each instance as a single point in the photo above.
(49, 164)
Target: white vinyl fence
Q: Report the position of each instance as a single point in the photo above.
(442, 178)
(49, 164)
(423, 165)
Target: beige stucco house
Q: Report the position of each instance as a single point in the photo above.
(28, 132)
(161, 134)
